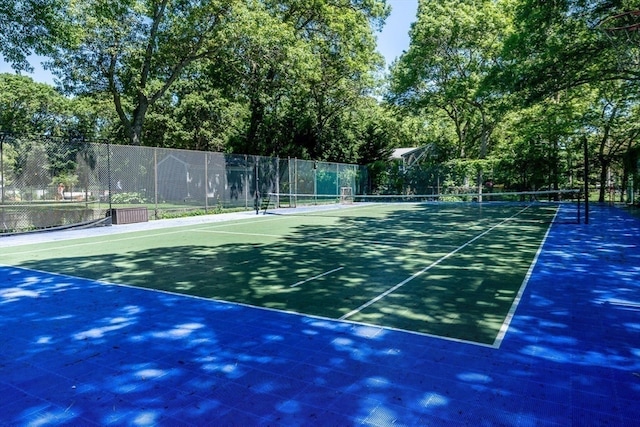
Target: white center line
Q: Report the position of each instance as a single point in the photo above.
(316, 277)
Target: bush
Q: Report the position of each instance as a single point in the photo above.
(127, 198)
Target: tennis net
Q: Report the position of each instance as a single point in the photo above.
(545, 199)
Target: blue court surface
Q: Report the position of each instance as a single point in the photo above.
(78, 352)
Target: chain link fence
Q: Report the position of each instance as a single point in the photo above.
(48, 182)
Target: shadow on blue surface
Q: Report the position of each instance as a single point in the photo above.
(79, 352)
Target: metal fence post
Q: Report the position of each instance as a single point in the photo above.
(2, 167)
(246, 182)
(155, 182)
(277, 201)
(2, 182)
(206, 182)
(109, 186)
(290, 182)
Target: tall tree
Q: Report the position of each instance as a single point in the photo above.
(30, 26)
(558, 45)
(345, 46)
(135, 50)
(196, 114)
(301, 73)
(265, 66)
(561, 45)
(27, 107)
(615, 131)
(454, 47)
(536, 147)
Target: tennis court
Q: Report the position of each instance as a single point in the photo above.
(377, 314)
(447, 269)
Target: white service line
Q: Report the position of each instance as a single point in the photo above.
(316, 277)
(427, 268)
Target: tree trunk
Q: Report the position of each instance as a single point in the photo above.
(603, 179)
(554, 169)
(257, 117)
(624, 184)
(135, 136)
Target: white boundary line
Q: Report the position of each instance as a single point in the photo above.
(99, 240)
(427, 268)
(94, 241)
(516, 301)
(326, 273)
(306, 315)
(255, 307)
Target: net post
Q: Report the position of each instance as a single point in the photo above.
(579, 202)
(246, 182)
(586, 179)
(289, 170)
(265, 205)
(315, 181)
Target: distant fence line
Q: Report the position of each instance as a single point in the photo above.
(50, 182)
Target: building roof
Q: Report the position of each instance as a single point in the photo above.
(399, 153)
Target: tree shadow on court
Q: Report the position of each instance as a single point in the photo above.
(77, 351)
(577, 323)
(112, 355)
(455, 286)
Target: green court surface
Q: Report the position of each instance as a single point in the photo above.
(451, 270)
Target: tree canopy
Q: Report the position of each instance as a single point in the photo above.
(497, 90)
(518, 83)
(30, 26)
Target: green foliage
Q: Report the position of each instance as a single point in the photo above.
(27, 107)
(125, 198)
(446, 73)
(303, 74)
(165, 213)
(136, 50)
(563, 52)
(560, 45)
(499, 90)
(68, 179)
(277, 77)
(28, 26)
(516, 82)
(195, 115)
